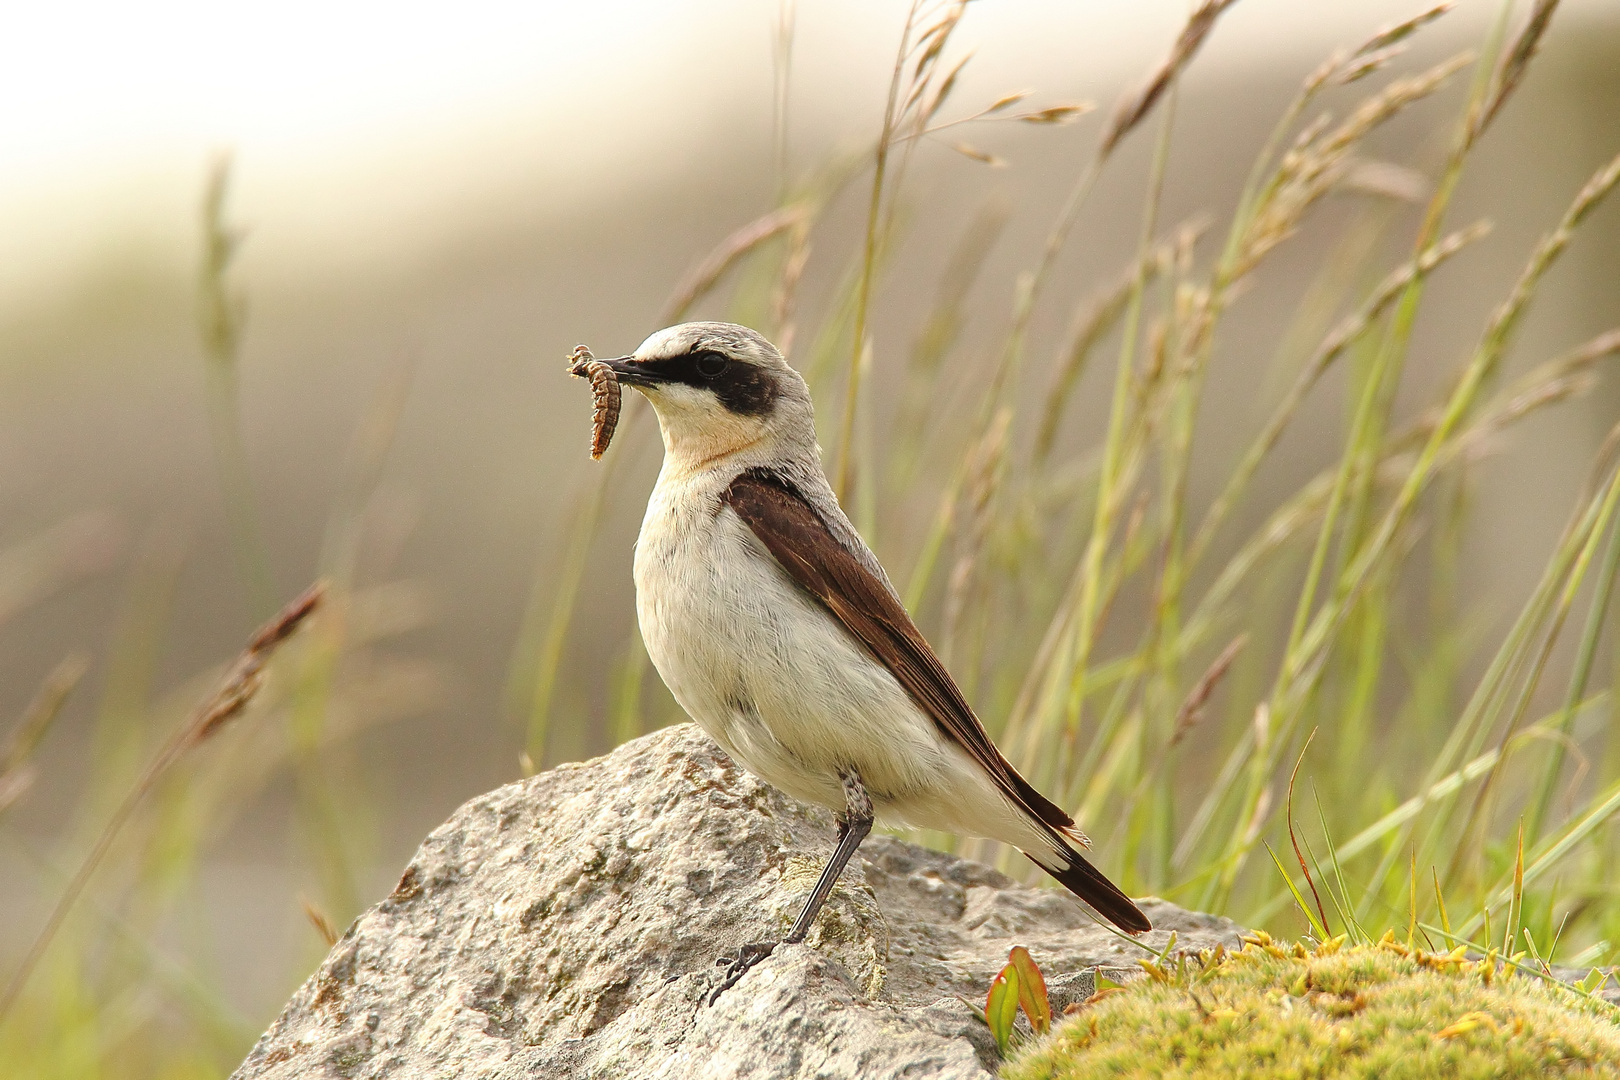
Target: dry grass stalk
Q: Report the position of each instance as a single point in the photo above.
(914, 98)
(1192, 709)
(1443, 440)
(1193, 312)
(1546, 384)
(1307, 661)
(320, 920)
(1065, 113)
(1507, 316)
(782, 69)
(932, 42)
(246, 675)
(231, 695)
(1359, 67)
(706, 274)
(1152, 376)
(1347, 66)
(41, 712)
(1406, 28)
(944, 323)
(1441, 422)
(984, 472)
(1375, 110)
(1135, 106)
(1320, 159)
(1092, 321)
(222, 309)
(1128, 112)
(1353, 325)
(946, 85)
(1588, 524)
(1579, 359)
(1515, 62)
(1384, 179)
(983, 157)
(1310, 133)
(222, 313)
(32, 569)
(1398, 32)
(1056, 114)
(1349, 329)
(1134, 543)
(16, 757)
(1372, 112)
(785, 297)
(934, 342)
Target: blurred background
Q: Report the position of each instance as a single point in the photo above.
(434, 205)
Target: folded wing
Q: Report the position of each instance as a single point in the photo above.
(795, 534)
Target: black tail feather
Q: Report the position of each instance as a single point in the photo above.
(1088, 883)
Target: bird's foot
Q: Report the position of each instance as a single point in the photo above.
(738, 966)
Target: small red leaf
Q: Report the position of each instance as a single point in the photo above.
(1031, 990)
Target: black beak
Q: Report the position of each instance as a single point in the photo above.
(636, 374)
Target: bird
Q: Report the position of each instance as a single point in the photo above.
(777, 630)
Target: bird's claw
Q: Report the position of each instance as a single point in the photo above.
(738, 966)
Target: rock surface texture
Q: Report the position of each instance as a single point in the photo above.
(567, 926)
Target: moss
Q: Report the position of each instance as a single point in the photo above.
(850, 927)
(1378, 1010)
(347, 1058)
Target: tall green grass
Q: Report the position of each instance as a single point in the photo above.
(117, 982)
(1150, 656)
(1155, 656)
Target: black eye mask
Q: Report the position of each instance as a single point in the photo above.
(743, 388)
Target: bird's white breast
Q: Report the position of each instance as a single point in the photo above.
(763, 667)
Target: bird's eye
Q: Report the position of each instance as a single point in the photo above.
(711, 364)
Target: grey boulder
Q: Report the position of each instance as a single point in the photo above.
(568, 926)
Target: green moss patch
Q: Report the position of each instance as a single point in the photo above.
(1380, 1010)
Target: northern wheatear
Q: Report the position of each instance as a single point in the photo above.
(777, 630)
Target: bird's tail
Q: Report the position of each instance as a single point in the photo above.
(1089, 884)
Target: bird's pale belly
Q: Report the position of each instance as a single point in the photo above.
(767, 672)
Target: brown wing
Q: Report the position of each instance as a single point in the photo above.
(801, 542)
(793, 532)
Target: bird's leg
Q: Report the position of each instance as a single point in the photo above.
(853, 826)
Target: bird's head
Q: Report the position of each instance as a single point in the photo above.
(719, 390)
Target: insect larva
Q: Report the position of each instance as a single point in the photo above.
(605, 402)
(605, 397)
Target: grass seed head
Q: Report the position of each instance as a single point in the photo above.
(1133, 108)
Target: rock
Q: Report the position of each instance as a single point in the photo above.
(567, 926)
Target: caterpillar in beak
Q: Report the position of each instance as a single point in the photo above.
(605, 397)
